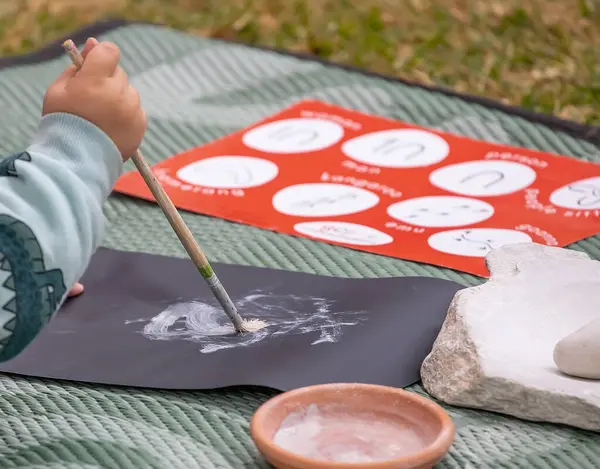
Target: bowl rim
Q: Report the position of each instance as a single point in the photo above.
(440, 445)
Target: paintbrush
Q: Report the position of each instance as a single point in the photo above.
(183, 232)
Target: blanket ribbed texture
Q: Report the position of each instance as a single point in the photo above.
(196, 90)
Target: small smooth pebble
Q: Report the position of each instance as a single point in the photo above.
(578, 354)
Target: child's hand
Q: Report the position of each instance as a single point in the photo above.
(76, 290)
(100, 93)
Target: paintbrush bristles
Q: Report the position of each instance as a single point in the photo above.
(253, 325)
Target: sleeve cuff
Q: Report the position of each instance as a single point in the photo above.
(82, 146)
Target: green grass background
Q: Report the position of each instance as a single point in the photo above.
(539, 54)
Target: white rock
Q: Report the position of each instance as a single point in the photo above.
(578, 354)
(495, 349)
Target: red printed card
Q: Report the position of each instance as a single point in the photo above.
(383, 186)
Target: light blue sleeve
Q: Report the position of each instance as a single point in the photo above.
(51, 221)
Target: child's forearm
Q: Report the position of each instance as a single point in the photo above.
(51, 221)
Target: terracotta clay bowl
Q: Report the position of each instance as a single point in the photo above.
(407, 431)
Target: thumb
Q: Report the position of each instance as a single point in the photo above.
(89, 45)
(70, 71)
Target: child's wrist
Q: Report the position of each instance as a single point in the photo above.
(81, 144)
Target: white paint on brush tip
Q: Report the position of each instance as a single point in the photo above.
(254, 325)
(271, 316)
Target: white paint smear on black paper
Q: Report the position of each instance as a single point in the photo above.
(205, 324)
(150, 321)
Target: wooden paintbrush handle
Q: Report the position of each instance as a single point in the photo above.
(181, 229)
(183, 232)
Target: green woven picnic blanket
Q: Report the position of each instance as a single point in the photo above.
(196, 90)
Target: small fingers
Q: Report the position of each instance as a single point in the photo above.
(134, 98)
(121, 80)
(76, 290)
(71, 70)
(102, 61)
(139, 124)
(143, 119)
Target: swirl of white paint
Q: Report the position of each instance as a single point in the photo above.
(203, 323)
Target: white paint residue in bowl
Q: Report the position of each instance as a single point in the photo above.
(336, 436)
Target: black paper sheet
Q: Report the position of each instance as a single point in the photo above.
(150, 321)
